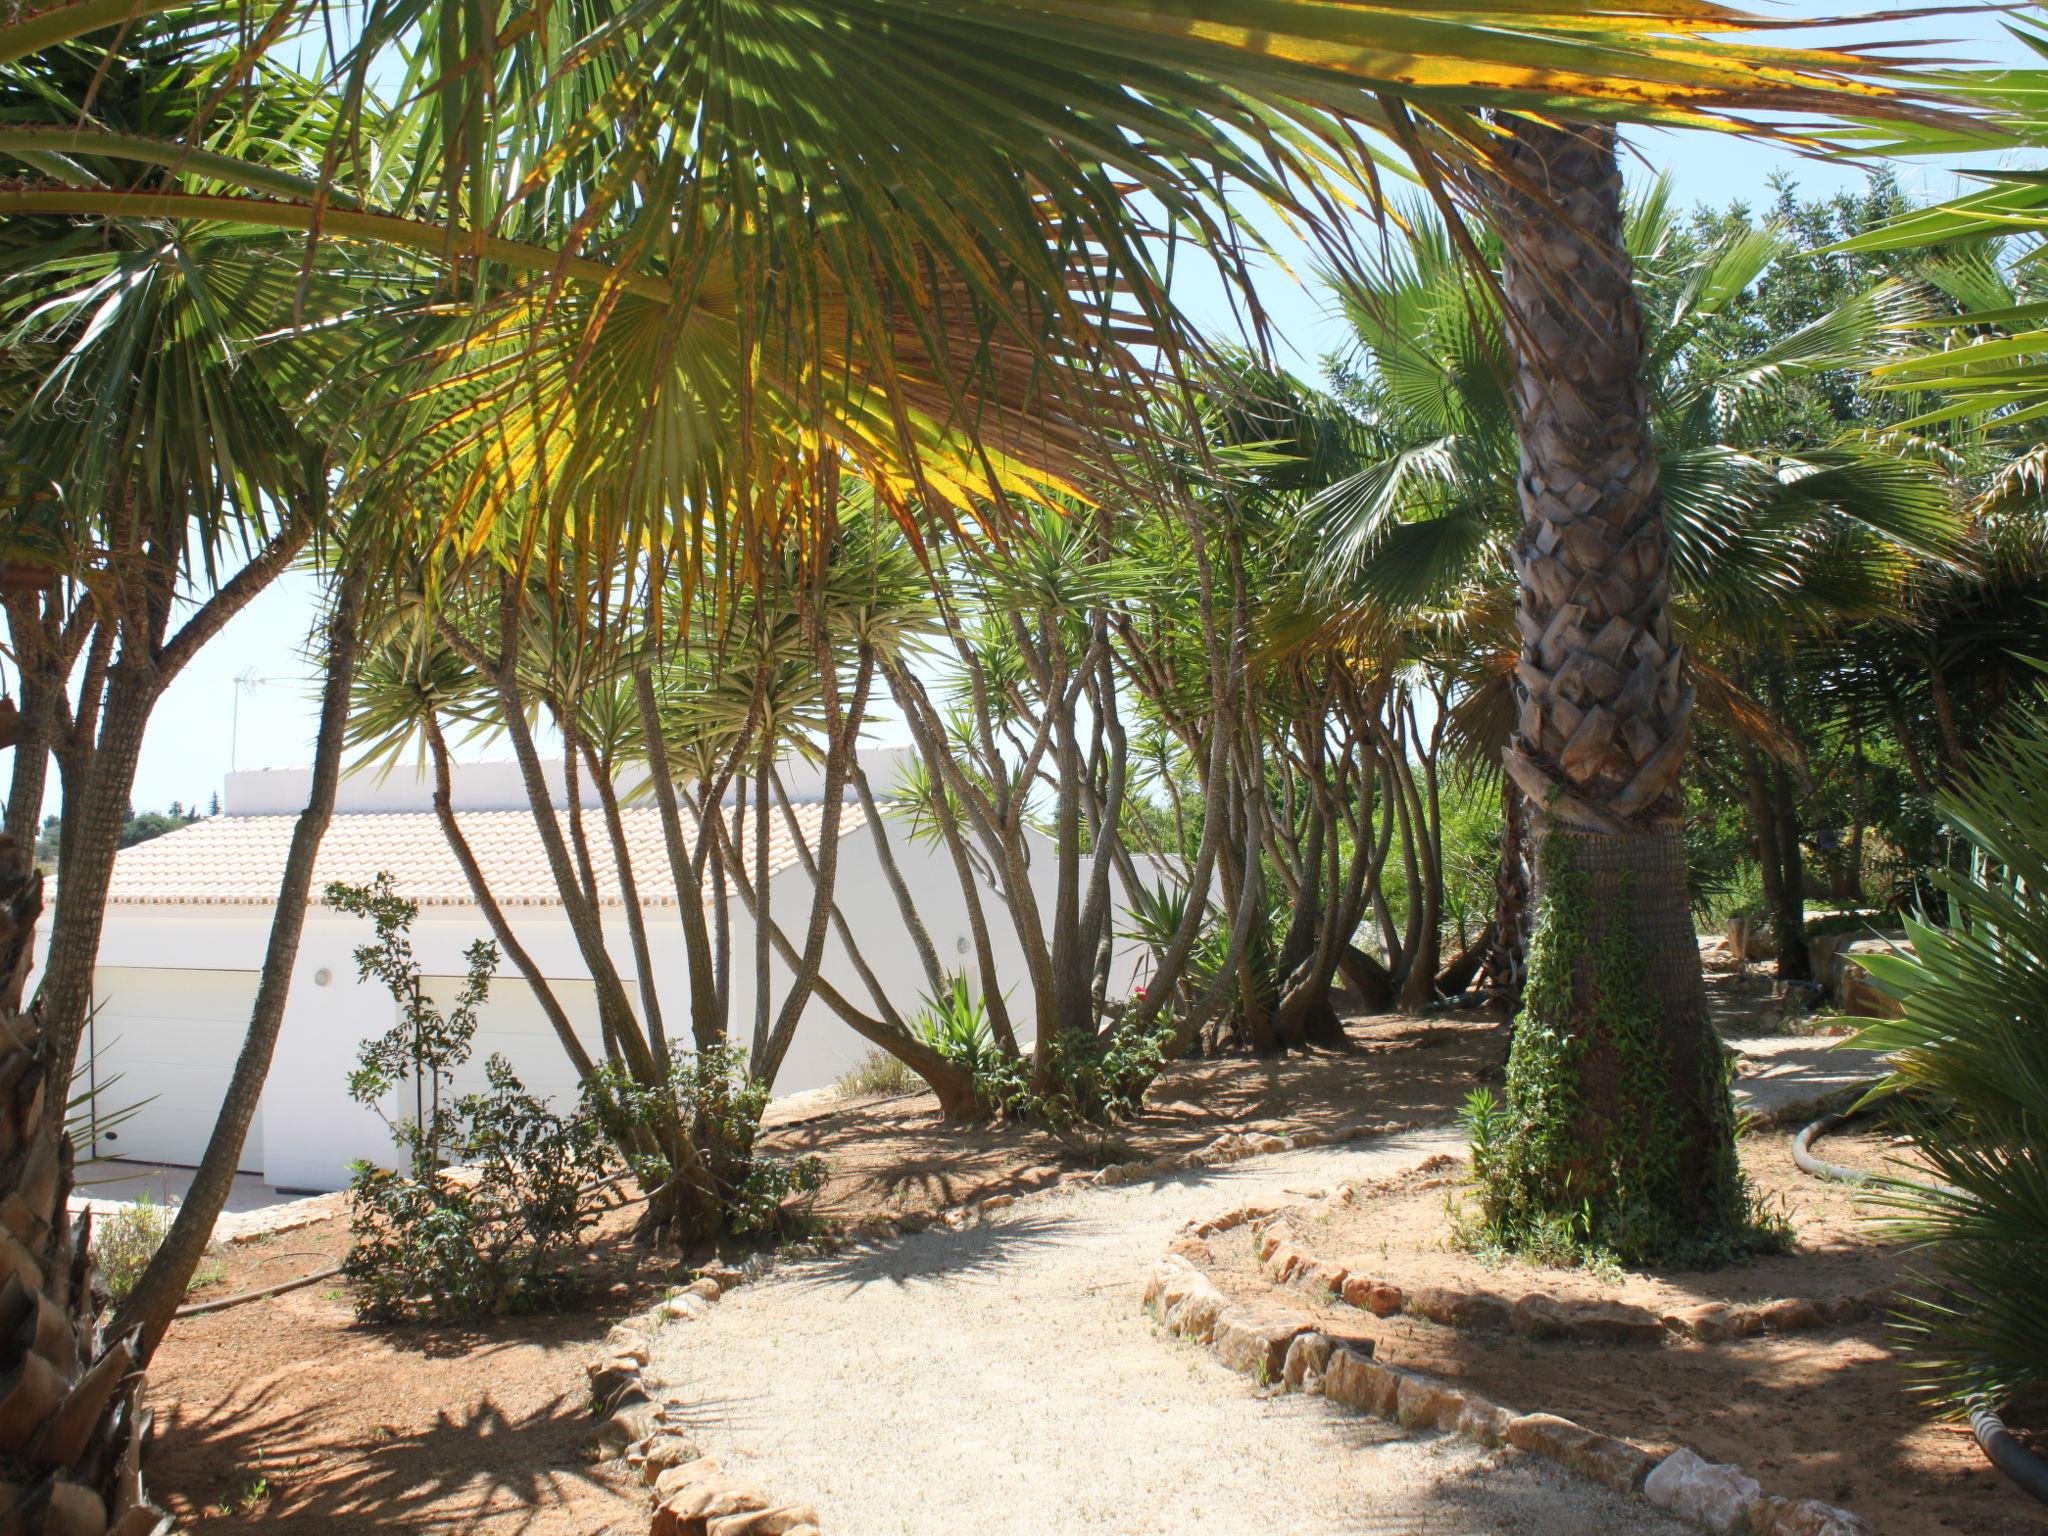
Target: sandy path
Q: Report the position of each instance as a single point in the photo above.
(1001, 1380)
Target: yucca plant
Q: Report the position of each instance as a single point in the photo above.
(1970, 1074)
(72, 1427)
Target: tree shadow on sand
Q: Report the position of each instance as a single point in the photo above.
(473, 1470)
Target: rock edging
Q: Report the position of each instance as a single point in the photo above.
(1284, 1350)
(1536, 1314)
(693, 1494)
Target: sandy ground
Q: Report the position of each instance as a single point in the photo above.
(1827, 1413)
(1002, 1380)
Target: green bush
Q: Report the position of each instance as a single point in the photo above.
(492, 1234)
(126, 1238)
(877, 1072)
(955, 1024)
(1970, 1078)
(496, 1187)
(1096, 1079)
(710, 1092)
(124, 1241)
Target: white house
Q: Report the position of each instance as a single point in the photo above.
(189, 917)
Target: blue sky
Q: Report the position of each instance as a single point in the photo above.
(195, 733)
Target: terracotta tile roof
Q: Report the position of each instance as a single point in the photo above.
(238, 860)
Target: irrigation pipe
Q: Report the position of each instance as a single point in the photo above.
(1802, 1153)
(222, 1303)
(2005, 1451)
(2000, 1446)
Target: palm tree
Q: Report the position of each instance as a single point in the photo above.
(74, 1429)
(169, 393)
(868, 234)
(1471, 438)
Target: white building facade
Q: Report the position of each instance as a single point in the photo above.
(189, 920)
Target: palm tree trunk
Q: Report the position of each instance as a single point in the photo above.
(153, 1302)
(72, 1438)
(1618, 1097)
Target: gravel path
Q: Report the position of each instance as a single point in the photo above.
(1001, 1380)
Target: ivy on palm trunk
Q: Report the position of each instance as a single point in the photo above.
(1617, 1136)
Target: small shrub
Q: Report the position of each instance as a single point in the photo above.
(1096, 1079)
(955, 1024)
(493, 1233)
(710, 1092)
(125, 1240)
(875, 1073)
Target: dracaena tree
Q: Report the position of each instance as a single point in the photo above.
(169, 421)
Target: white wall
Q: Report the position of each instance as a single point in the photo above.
(313, 1129)
(824, 1047)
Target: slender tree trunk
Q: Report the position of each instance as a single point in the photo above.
(487, 902)
(1763, 821)
(1505, 968)
(629, 895)
(707, 1019)
(906, 904)
(1618, 1096)
(1789, 918)
(97, 788)
(155, 1298)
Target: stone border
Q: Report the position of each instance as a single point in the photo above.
(693, 1494)
(1537, 1314)
(1282, 1349)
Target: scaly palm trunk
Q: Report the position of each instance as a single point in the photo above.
(1617, 1094)
(72, 1428)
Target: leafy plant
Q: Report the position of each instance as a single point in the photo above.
(1970, 1079)
(1559, 1180)
(124, 1241)
(492, 1233)
(1096, 1079)
(425, 1044)
(955, 1024)
(877, 1072)
(712, 1093)
(127, 1238)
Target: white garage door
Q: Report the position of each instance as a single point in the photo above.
(512, 1025)
(163, 1046)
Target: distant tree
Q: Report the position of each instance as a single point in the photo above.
(140, 829)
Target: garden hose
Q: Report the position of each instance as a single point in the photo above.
(2005, 1451)
(1802, 1153)
(2001, 1447)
